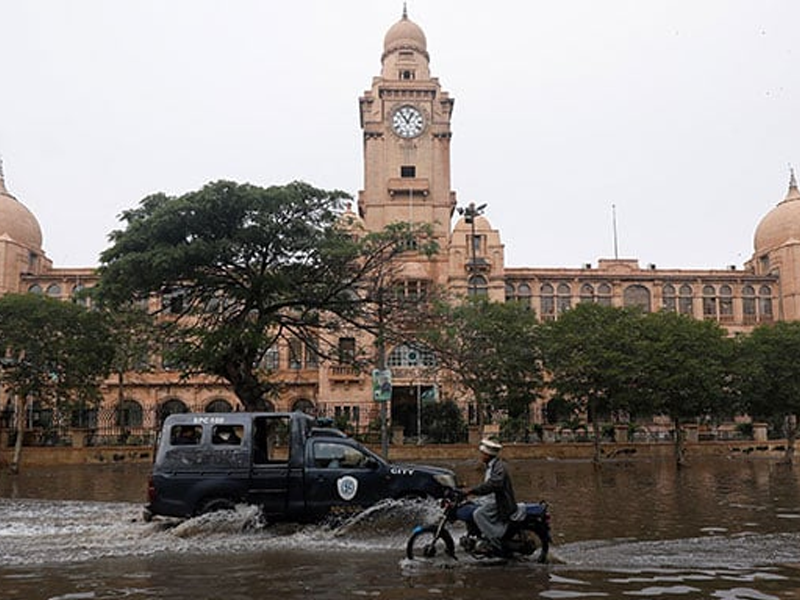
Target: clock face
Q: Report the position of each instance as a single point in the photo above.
(408, 122)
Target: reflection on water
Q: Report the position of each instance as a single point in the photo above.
(721, 529)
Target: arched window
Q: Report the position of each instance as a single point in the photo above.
(130, 414)
(305, 406)
(54, 290)
(219, 405)
(749, 304)
(478, 286)
(636, 295)
(765, 303)
(725, 303)
(171, 407)
(685, 300)
(35, 289)
(520, 294)
(709, 302)
(547, 301)
(668, 300)
(587, 293)
(563, 298)
(604, 294)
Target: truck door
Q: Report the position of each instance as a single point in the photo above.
(270, 479)
(341, 477)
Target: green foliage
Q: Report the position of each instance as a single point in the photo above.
(56, 352)
(443, 422)
(769, 372)
(493, 348)
(590, 352)
(683, 366)
(241, 268)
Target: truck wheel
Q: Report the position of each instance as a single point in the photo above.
(215, 505)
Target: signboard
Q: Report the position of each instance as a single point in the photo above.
(381, 385)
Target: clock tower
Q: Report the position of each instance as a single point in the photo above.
(405, 118)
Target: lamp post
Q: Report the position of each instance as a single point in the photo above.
(469, 213)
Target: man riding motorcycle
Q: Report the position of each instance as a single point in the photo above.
(497, 502)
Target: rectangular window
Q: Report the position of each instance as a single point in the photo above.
(295, 354)
(271, 360)
(347, 350)
(408, 171)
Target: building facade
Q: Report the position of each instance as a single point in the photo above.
(406, 124)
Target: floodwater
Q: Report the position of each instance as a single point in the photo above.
(726, 529)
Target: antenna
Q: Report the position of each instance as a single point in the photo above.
(614, 224)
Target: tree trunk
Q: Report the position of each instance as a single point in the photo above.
(790, 426)
(680, 447)
(596, 433)
(22, 405)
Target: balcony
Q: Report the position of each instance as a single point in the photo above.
(339, 373)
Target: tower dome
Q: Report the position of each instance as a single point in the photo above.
(405, 34)
(782, 223)
(16, 221)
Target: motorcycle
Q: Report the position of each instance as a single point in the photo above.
(429, 541)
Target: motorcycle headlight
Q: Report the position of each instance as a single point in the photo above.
(445, 480)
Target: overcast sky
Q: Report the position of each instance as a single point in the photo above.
(684, 114)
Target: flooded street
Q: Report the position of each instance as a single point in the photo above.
(720, 529)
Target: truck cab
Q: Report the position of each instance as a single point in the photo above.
(281, 462)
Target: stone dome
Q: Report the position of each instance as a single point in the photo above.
(405, 34)
(781, 224)
(16, 221)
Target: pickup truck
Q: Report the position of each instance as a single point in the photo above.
(286, 464)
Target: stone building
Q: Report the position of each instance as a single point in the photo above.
(406, 125)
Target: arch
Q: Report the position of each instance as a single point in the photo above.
(130, 413)
(169, 407)
(54, 290)
(304, 405)
(563, 298)
(547, 306)
(636, 295)
(478, 285)
(686, 300)
(35, 289)
(668, 298)
(587, 292)
(726, 302)
(219, 405)
(709, 302)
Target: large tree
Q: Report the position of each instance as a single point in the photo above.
(769, 376)
(684, 370)
(52, 351)
(589, 353)
(493, 350)
(239, 268)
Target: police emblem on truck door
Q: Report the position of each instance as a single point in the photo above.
(347, 487)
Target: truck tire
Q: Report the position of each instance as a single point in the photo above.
(210, 505)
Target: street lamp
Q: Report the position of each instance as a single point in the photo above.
(469, 213)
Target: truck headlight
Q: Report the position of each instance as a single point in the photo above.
(445, 480)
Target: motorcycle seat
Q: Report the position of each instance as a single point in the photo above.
(521, 512)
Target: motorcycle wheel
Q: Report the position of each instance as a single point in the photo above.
(424, 545)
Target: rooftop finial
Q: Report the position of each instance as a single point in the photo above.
(2, 176)
(405, 10)
(792, 179)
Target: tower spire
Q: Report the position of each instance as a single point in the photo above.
(405, 11)
(2, 176)
(792, 179)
